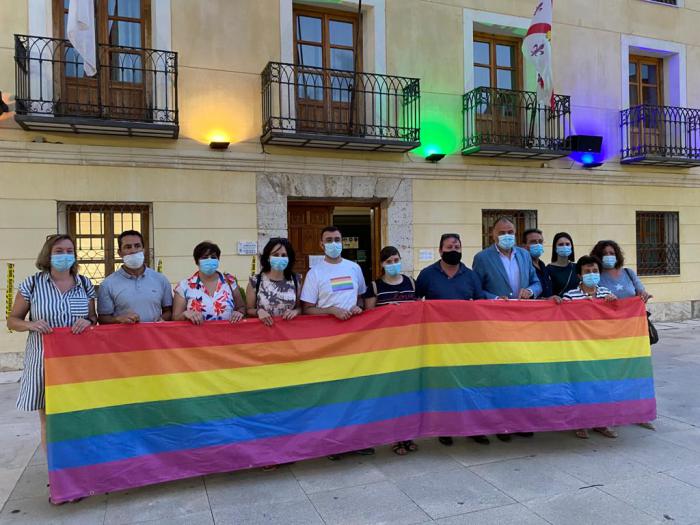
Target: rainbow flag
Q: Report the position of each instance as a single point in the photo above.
(134, 405)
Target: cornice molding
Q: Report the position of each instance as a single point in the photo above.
(456, 169)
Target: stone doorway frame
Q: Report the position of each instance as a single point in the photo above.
(395, 193)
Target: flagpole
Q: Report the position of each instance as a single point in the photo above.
(355, 67)
(97, 59)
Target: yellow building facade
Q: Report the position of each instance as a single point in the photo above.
(334, 142)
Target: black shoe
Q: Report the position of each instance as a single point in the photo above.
(504, 437)
(525, 434)
(335, 457)
(364, 452)
(446, 440)
(481, 440)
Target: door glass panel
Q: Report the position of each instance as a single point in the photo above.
(481, 53)
(482, 77)
(633, 72)
(311, 56)
(634, 96)
(341, 88)
(504, 55)
(340, 33)
(310, 86)
(124, 8)
(650, 95)
(342, 59)
(124, 33)
(73, 63)
(649, 72)
(126, 67)
(309, 29)
(504, 79)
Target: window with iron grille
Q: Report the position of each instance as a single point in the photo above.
(658, 249)
(95, 228)
(668, 2)
(522, 219)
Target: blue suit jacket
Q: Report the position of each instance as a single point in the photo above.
(494, 279)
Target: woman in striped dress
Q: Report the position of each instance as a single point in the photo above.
(54, 297)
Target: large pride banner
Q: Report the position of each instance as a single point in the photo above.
(134, 405)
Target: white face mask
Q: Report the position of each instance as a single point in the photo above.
(133, 261)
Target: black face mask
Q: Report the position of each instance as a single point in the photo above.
(451, 257)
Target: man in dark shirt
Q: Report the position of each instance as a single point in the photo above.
(448, 278)
(533, 241)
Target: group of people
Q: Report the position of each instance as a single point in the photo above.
(58, 296)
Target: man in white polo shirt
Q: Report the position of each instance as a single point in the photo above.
(334, 286)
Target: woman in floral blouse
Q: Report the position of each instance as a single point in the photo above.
(208, 295)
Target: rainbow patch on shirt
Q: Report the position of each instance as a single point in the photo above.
(340, 284)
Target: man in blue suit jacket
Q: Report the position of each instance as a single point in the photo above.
(505, 270)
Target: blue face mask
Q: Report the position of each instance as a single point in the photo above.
(563, 251)
(208, 266)
(591, 279)
(536, 250)
(392, 270)
(333, 249)
(279, 263)
(506, 241)
(609, 261)
(62, 261)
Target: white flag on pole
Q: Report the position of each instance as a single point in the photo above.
(81, 32)
(537, 48)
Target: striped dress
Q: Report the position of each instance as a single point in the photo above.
(58, 309)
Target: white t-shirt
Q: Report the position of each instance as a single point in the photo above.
(334, 285)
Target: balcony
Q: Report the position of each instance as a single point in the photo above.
(511, 124)
(660, 136)
(338, 109)
(134, 92)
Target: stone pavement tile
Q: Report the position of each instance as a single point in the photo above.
(527, 478)
(379, 502)
(515, 514)
(602, 465)
(176, 498)
(687, 438)
(32, 484)
(18, 442)
(443, 494)
(431, 456)
(665, 424)
(690, 475)
(296, 512)
(660, 496)
(35, 511)
(8, 378)
(322, 474)
(196, 518)
(39, 457)
(469, 453)
(248, 486)
(8, 480)
(588, 507)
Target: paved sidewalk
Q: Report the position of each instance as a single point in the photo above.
(642, 477)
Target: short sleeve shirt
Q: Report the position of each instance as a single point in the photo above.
(145, 295)
(216, 307)
(434, 283)
(336, 285)
(403, 292)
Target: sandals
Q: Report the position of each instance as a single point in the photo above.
(605, 431)
(582, 433)
(648, 425)
(404, 447)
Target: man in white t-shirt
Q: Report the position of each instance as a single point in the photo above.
(336, 285)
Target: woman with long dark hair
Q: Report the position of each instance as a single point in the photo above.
(562, 270)
(274, 292)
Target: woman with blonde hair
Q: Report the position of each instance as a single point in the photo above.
(54, 297)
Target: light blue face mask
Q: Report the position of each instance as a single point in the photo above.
(506, 241)
(591, 279)
(609, 261)
(62, 261)
(392, 270)
(333, 249)
(208, 266)
(279, 263)
(563, 251)
(536, 250)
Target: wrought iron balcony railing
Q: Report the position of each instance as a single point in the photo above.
(134, 91)
(508, 123)
(339, 109)
(660, 135)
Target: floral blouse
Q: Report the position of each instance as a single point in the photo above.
(216, 307)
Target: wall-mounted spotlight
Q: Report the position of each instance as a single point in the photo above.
(435, 157)
(585, 149)
(219, 144)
